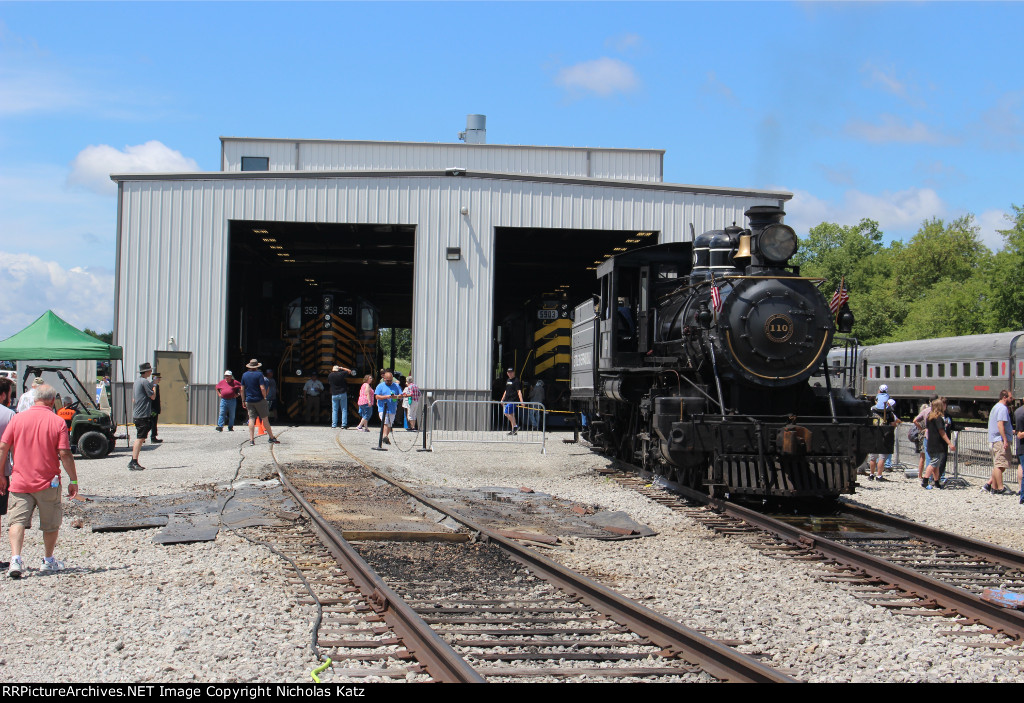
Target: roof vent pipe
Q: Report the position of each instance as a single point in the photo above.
(476, 130)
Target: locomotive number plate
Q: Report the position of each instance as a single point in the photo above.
(779, 328)
(547, 314)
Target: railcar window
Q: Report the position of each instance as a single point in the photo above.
(878, 372)
(993, 367)
(979, 368)
(952, 370)
(906, 371)
(295, 314)
(366, 319)
(929, 370)
(942, 370)
(668, 271)
(896, 370)
(917, 370)
(887, 371)
(967, 368)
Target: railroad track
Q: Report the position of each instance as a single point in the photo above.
(887, 561)
(485, 608)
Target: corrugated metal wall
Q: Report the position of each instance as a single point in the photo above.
(173, 239)
(643, 165)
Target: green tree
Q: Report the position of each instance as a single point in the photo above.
(107, 337)
(952, 252)
(1006, 289)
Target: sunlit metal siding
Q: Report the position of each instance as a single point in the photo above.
(172, 277)
(644, 165)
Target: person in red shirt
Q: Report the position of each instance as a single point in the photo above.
(229, 390)
(39, 439)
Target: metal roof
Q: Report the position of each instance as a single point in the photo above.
(452, 173)
(981, 346)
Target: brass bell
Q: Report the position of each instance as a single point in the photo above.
(743, 250)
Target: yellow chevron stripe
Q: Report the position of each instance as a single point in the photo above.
(552, 328)
(543, 366)
(552, 345)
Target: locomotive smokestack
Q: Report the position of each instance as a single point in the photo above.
(761, 216)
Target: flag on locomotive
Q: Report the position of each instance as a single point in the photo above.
(716, 295)
(839, 298)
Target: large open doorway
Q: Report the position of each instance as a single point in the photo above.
(303, 297)
(540, 276)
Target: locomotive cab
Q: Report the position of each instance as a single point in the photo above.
(631, 285)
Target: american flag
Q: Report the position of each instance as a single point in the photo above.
(839, 298)
(716, 296)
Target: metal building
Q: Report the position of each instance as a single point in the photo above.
(459, 215)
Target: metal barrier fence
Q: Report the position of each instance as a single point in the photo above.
(972, 458)
(484, 422)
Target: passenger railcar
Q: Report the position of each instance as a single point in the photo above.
(969, 370)
(695, 361)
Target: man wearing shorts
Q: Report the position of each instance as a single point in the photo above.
(1000, 430)
(513, 390)
(882, 417)
(6, 386)
(387, 408)
(143, 393)
(254, 399)
(38, 438)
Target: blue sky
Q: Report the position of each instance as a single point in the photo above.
(893, 111)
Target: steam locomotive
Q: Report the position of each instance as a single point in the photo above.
(695, 362)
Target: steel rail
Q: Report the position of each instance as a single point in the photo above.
(717, 659)
(1008, 622)
(982, 550)
(441, 661)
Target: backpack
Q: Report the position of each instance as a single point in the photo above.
(914, 434)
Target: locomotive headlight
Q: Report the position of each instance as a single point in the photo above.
(777, 242)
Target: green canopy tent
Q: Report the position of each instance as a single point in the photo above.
(50, 338)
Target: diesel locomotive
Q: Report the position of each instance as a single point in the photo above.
(321, 330)
(696, 360)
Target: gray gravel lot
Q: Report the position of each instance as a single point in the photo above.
(128, 610)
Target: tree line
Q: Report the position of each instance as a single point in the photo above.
(942, 283)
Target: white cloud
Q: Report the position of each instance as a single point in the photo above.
(25, 91)
(990, 221)
(899, 214)
(891, 128)
(94, 164)
(624, 42)
(31, 285)
(602, 77)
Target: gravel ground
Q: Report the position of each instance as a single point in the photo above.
(819, 631)
(127, 610)
(966, 511)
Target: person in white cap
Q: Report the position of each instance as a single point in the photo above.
(229, 389)
(882, 398)
(28, 398)
(885, 416)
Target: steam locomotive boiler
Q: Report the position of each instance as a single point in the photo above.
(695, 361)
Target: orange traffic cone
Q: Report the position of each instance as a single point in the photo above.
(260, 429)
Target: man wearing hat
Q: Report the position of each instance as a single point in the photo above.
(28, 398)
(513, 390)
(254, 400)
(143, 393)
(229, 389)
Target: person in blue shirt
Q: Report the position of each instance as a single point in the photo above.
(254, 399)
(386, 393)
